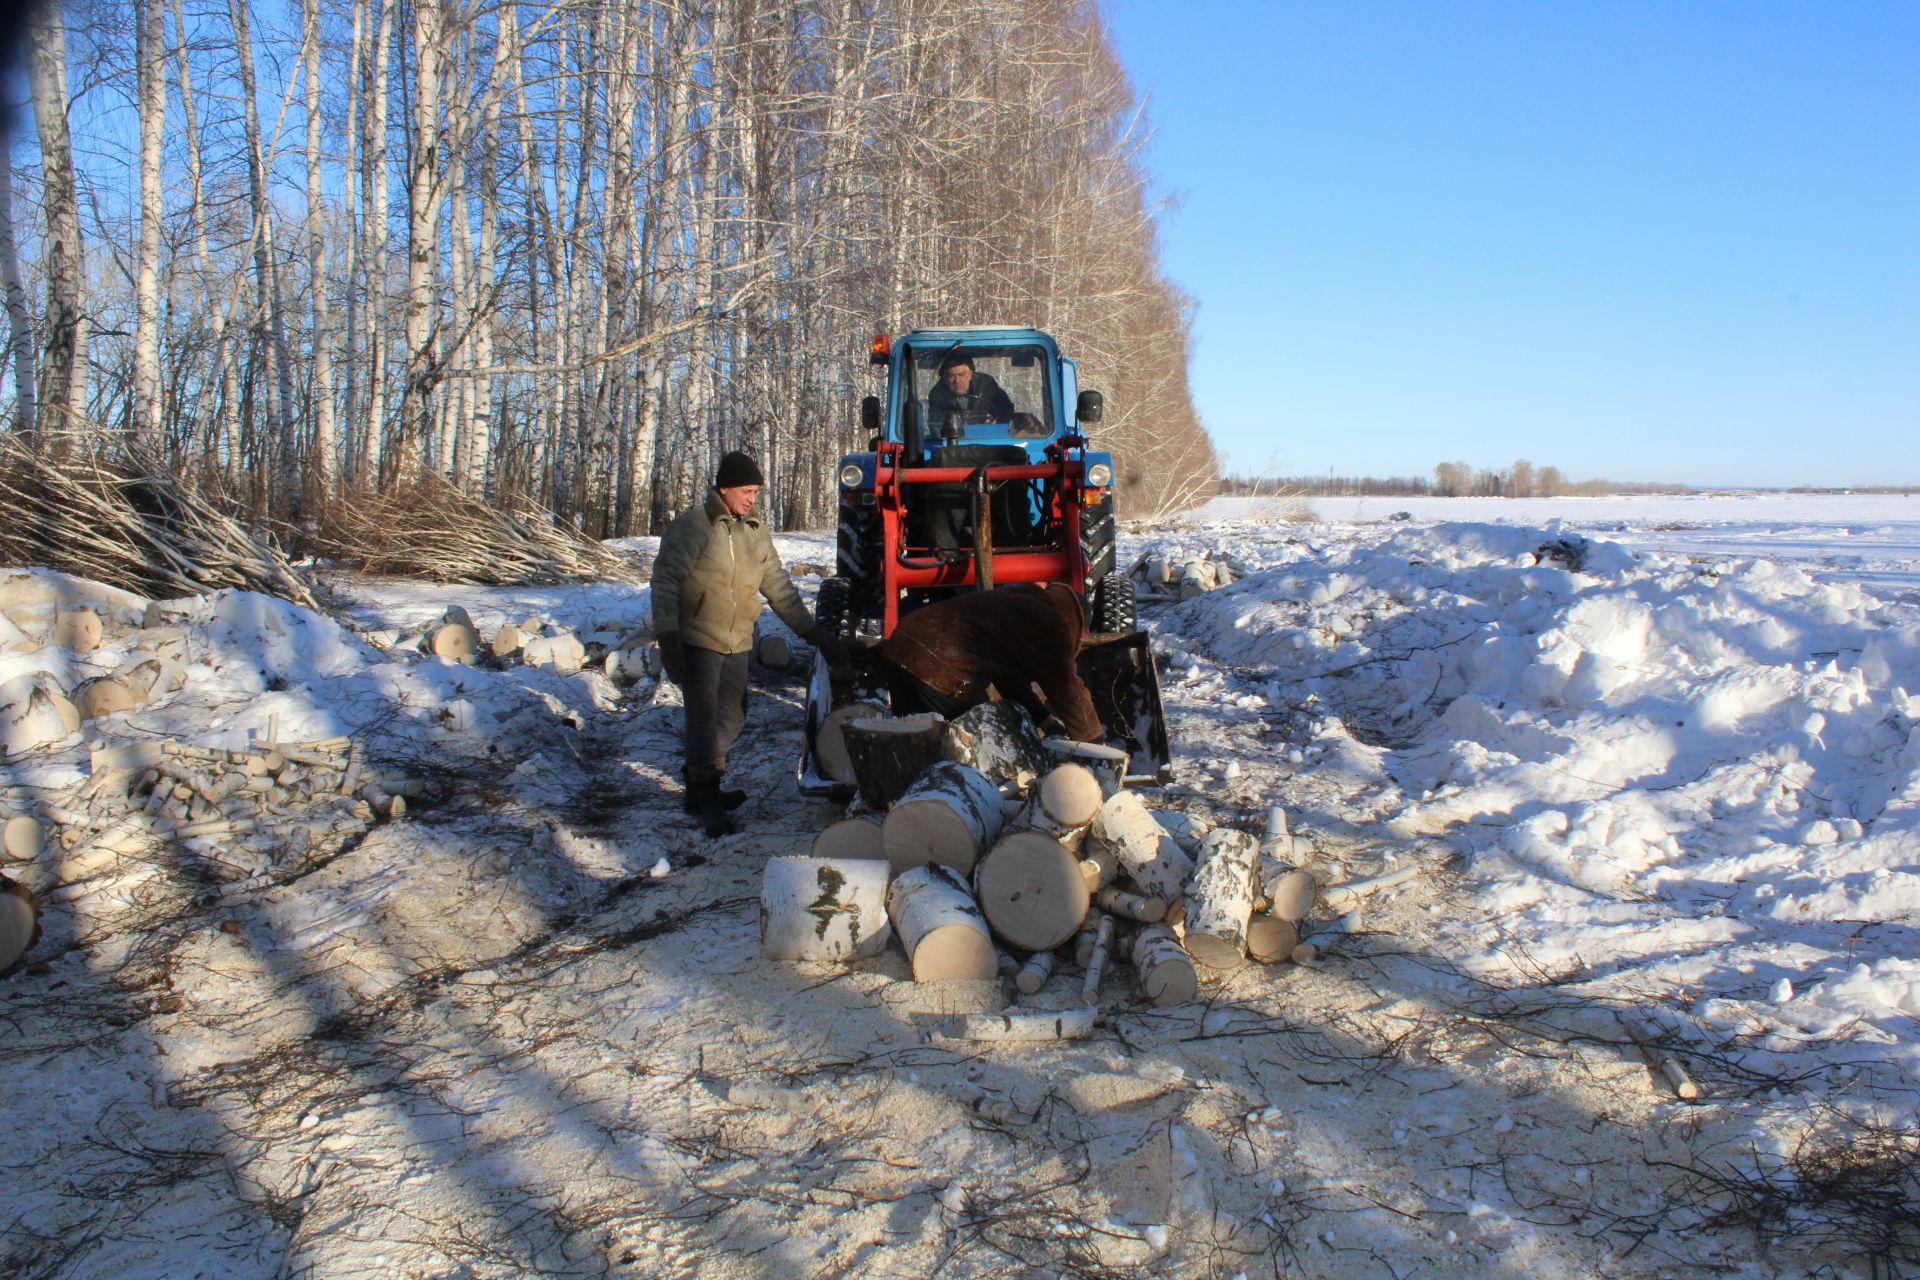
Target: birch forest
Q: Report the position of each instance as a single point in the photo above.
(562, 255)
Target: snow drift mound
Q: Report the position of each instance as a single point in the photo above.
(1733, 740)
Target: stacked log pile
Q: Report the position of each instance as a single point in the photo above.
(242, 818)
(626, 656)
(1024, 867)
(37, 709)
(1178, 577)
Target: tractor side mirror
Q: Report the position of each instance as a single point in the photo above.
(870, 415)
(1092, 404)
(910, 433)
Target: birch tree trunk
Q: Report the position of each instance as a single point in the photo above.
(19, 322)
(151, 44)
(63, 351)
(423, 232)
(321, 339)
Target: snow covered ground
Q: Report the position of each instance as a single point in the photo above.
(1654, 759)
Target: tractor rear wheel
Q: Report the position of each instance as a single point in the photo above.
(1113, 608)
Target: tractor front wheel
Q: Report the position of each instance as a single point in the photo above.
(1113, 608)
(831, 611)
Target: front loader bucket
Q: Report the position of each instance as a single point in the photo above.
(862, 680)
(1118, 671)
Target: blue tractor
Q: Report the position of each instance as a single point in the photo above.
(978, 473)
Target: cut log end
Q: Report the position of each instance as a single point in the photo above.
(1031, 891)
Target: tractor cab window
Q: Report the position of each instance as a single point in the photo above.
(997, 393)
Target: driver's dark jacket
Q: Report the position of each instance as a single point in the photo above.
(1012, 638)
(986, 400)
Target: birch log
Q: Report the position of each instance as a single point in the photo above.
(998, 739)
(1270, 939)
(1084, 940)
(19, 921)
(889, 753)
(774, 652)
(77, 630)
(1038, 1024)
(1062, 805)
(1107, 764)
(1219, 899)
(1134, 906)
(1126, 829)
(823, 910)
(1289, 895)
(508, 641)
(103, 696)
(940, 927)
(947, 817)
(1031, 891)
(1034, 973)
(1166, 971)
(1344, 897)
(23, 838)
(861, 837)
(1276, 841)
(34, 711)
(1097, 962)
(453, 641)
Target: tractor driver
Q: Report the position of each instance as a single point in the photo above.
(974, 396)
(945, 655)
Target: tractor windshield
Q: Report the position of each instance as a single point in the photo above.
(994, 393)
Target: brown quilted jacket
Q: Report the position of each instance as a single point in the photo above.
(1012, 638)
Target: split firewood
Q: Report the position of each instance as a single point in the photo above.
(887, 754)
(77, 630)
(19, 921)
(1271, 939)
(949, 816)
(1133, 906)
(1031, 891)
(1066, 1024)
(23, 838)
(1061, 804)
(1034, 973)
(997, 739)
(829, 740)
(1344, 897)
(1670, 1068)
(1107, 764)
(1126, 829)
(564, 652)
(821, 910)
(940, 927)
(1219, 899)
(861, 837)
(1099, 866)
(1165, 970)
(1097, 962)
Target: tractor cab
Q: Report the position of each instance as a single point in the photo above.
(978, 473)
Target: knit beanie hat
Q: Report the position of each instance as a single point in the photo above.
(737, 469)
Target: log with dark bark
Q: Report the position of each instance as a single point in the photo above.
(998, 739)
(888, 754)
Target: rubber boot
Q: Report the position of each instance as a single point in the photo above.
(731, 797)
(713, 809)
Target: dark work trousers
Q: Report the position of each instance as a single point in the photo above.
(715, 697)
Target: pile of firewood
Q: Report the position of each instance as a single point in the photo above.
(99, 506)
(988, 850)
(626, 656)
(1163, 577)
(38, 709)
(241, 817)
(430, 529)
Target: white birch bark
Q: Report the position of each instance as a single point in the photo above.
(19, 320)
(63, 350)
(151, 47)
(321, 340)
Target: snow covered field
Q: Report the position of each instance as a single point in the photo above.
(1653, 757)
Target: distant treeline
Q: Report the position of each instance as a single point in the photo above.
(1521, 479)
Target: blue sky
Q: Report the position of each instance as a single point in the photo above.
(1643, 241)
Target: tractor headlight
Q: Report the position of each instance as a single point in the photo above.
(1099, 475)
(852, 476)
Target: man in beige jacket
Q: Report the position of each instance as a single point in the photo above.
(716, 564)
